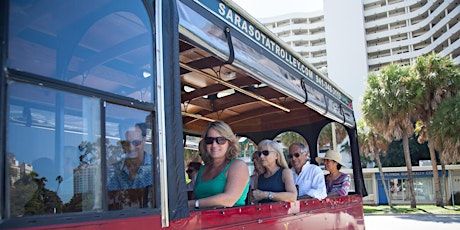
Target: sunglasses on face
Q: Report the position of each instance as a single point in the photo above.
(297, 155)
(190, 170)
(265, 153)
(136, 142)
(219, 140)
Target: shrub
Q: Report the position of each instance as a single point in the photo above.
(456, 198)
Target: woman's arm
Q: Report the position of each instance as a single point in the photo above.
(237, 180)
(291, 191)
(342, 190)
(346, 181)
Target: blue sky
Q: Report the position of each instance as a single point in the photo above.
(268, 8)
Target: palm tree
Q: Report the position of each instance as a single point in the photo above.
(346, 147)
(386, 108)
(372, 143)
(287, 138)
(59, 179)
(445, 135)
(325, 136)
(445, 129)
(438, 78)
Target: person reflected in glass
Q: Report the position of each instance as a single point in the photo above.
(309, 178)
(223, 180)
(133, 174)
(277, 182)
(337, 183)
(192, 172)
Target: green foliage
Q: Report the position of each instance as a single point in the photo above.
(30, 197)
(387, 101)
(438, 81)
(191, 155)
(437, 78)
(75, 204)
(89, 152)
(21, 192)
(456, 199)
(287, 138)
(346, 147)
(444, 129)
(365, 160)
(395, 153)
(325, 136)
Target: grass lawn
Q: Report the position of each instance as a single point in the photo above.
(405, 209)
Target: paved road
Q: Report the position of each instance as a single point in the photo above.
(413, 221)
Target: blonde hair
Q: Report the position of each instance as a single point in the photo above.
(278, 148)
(224, 130)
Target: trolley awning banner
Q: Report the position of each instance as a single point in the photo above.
(263, 55)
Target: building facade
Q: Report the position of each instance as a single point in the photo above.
(396, 180)
(394, 30)
(349, 39)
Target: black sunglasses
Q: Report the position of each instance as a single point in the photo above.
(294, 155)
(136, 142)
(219, 140)
(265, 152)
(190, 170)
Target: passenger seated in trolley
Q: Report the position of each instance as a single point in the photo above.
(309, 178)
(131, 183)
(277, 182)
(337, 183)
(192, 172)
(223, 181)
(258, 170)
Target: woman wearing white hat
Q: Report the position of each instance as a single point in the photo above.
(337, 183)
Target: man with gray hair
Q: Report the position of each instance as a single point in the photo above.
(308, 178)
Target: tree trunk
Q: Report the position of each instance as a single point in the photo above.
(444, 183)
(379, 164)
(405, 142)
(434, 165)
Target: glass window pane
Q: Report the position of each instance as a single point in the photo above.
(53, 148)
(129, 158)
(103, 45)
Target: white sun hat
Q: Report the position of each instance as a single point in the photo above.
(331, 155)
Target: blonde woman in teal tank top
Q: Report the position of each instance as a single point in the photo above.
(216, 186)
(224, 180)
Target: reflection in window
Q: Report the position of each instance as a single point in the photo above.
(423, 190)
(129, 158)
(99, 45)
(53, 151)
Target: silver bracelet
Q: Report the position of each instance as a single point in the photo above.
(197, 204)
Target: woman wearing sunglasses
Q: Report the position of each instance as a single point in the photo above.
(277, 183)
(223, 181)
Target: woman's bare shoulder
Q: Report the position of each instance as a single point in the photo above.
(239, 165)
(287, 172)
